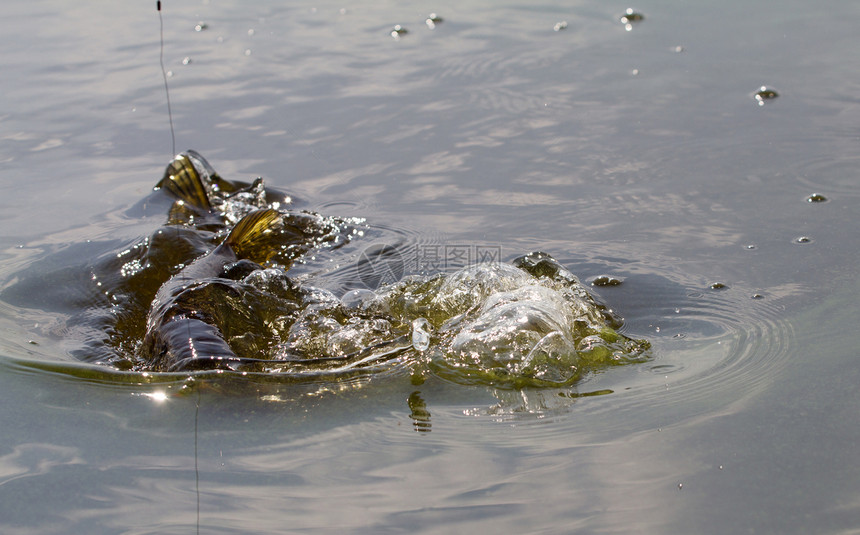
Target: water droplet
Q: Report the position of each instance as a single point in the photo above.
(247, 51)
(721, 467)
(606, 280)
(186, 60)
(678, 49)
(201, 26)
(765, 93)
(251, 32)
(559, 26)
(432, 20)
(803, 239)
(751, 247)
(397, 31)
(634, 72)
(816, 197)
(718, 286)
(630, 17)
(680, 486)
(420, 334)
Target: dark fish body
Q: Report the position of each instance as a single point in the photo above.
(190, 316)
(178, 336)
(180, 333)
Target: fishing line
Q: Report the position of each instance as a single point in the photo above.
(172, 154)
(164, 75)
(196, 469)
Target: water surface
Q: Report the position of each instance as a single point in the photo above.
(640, 154)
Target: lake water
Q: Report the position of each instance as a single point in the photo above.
(640, 154)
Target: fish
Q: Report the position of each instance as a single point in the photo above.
(183, 180)
(192, 314)
(225, 284)
(181, 334)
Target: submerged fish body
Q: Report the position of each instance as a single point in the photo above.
(527, 323)
(182, 335)
(190, 311)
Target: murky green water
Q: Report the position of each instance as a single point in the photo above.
(642, 155)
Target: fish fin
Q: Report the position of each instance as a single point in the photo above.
(182, 180)
(211, 176)
(250, 237)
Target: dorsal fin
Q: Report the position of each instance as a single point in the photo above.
(210, 175)
(183, 181)
(249, 238)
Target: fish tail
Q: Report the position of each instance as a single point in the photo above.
(250, 237)
(182, 180)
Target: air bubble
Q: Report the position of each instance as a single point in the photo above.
(765, 93)
(432, 20)
(630, 17)
(606, 280)
(420, 334)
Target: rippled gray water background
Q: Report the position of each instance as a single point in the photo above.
(641, 154)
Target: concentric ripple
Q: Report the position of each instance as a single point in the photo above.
(829, 176)
(708, 345)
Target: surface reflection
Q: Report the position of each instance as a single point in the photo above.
(419, 413)
(490, 129)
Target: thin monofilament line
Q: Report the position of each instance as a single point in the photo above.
(196, 467)
(164, 75)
